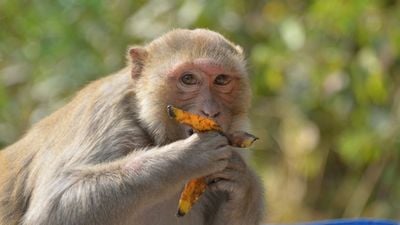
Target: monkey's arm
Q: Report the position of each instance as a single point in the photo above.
(108, 193)
(101, 193)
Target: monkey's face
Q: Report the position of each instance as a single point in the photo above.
(197, 70)
(205, 87)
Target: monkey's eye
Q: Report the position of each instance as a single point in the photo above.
(189, 79)
(222, 79)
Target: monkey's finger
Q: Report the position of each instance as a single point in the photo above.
(236, 162)
(227, 175)
(236, 166)
(208, 134)
(222, 185)
(223, 153)
(223, 157)
(214, 138)
(235, 190)
(216, 167)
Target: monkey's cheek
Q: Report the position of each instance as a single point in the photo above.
(220, 176)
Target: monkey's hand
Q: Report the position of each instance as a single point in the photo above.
(244, 197)
(204, 154)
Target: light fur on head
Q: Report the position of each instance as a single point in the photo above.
(154, 60)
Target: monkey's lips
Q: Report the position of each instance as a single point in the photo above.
(189, 132)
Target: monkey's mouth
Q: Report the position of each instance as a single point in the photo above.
(189, 132)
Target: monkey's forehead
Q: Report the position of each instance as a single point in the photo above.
(199, 42)
(208, 66)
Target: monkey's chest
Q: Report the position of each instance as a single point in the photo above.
(164, 213)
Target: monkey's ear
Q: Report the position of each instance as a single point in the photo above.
(137, 57)
(239, 49)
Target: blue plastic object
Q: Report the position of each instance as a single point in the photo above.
(353, 222)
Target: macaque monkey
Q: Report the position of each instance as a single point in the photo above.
(112, 156)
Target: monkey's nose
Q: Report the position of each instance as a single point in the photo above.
(211, 114)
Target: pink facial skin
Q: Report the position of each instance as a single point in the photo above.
(210, 91)
(208, 66)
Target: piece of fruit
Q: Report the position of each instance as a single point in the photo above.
(197, 122)
(190, 194)
(196, 187)
(241, 139)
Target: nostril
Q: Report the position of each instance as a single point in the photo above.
(204, 113)
(211, 115)
(216, 114)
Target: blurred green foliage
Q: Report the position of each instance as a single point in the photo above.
(325, 76)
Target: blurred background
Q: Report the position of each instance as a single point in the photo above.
(325, 77)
